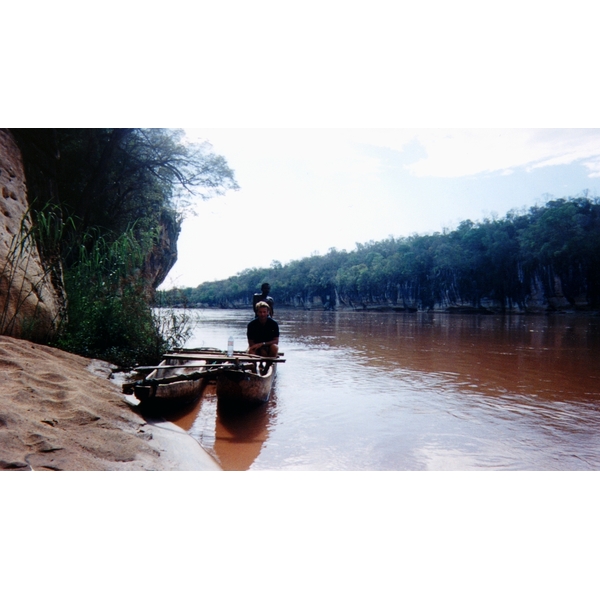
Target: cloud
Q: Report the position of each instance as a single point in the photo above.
(421, 152)
(468, 152)
(593, 166)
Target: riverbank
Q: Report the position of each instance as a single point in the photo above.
(463, 309)
(60, 412)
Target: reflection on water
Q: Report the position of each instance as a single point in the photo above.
(233, 435)
(394, 391)
(240, 435)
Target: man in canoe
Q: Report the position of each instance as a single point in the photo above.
(263, 297)
(263, 333)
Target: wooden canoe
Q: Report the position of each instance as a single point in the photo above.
(172, 384)
(245, 385)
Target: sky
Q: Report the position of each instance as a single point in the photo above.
(306, 190)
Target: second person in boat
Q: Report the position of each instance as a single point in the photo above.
(263, 333)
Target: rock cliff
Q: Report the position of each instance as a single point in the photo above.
(163, 255)
(31, 304)
(32, 295)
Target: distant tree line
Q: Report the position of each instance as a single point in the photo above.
(548, 255)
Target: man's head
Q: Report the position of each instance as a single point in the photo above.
(265, 288)
(262, 311)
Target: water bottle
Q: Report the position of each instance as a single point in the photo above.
(230, 346)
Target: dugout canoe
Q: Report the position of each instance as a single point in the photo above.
(172, 384)
(245, 384)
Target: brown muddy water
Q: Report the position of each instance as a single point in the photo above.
(392, 391)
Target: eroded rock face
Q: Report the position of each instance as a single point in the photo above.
(30, 306)
(164, 254)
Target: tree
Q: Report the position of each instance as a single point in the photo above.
(112, 179)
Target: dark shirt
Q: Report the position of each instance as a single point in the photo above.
(262, 333)
(262, 298)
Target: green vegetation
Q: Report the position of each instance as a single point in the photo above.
(499, 262)
(106, 299)
(116, 195)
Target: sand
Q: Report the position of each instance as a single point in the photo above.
(60, 412)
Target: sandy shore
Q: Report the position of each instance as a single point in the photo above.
(59, 411)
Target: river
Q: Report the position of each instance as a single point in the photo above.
(369, 391)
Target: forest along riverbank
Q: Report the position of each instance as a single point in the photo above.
(59, 411)
(389, 391)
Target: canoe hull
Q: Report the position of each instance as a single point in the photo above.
(158, 392)
(178, 393)
(236, 386)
